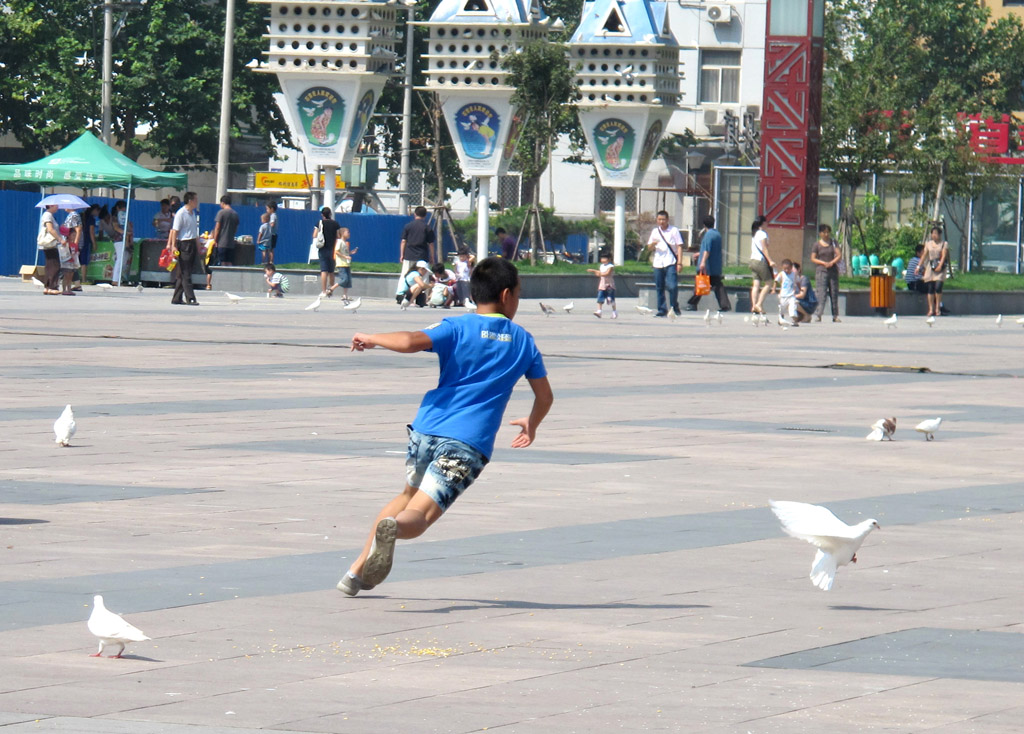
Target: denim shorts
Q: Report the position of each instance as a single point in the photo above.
(608, 294)
(441, 467)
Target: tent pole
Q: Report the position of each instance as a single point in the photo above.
(124, 237)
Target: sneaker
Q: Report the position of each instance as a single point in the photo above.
(615, 314)
(382, 552)
(597, 313)
(351, 584)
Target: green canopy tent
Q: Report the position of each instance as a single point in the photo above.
(89, 163)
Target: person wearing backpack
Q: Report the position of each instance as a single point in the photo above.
(326, 237)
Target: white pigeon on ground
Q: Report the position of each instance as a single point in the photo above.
(548, 310)
(111, 629)
(999, 320)
(930, 321)
(569, 306)
(139, 288)
(233, 298)
(64, 427)
(38, 283)
(719, 318)
(928, 428)
(104, 286)
(892, 322)
(315, 305)
(837, 542)
(672, 315)
(707, 317)
(644, 310)
(882, 428)
(470, 306)
(1020, 321)
(354, 306)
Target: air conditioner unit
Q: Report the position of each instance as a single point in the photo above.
(710, 117)
(718, 13)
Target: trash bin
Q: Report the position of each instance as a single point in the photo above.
(883, 298)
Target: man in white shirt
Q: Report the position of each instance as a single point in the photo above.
(666, 241)
(183, 237)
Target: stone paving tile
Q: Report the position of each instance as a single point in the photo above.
(622, 574)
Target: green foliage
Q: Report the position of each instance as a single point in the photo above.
(167, 72)
(556, 229)
(874, 237)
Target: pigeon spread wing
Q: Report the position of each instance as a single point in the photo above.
(813, 523)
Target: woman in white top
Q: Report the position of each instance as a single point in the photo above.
(761, 265)
(48, 240)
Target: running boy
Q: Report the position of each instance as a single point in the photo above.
(605, 285)
(482, 355)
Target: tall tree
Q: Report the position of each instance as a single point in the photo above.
(898, 76)
(546, 91)
(167, 66)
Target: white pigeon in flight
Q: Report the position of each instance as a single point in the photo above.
(837, 542)
(892, 322)
(315, 305)
(569, 306)
(928, 428)
(233, 298)
(111, 629)
(354, 306)
(64, 427)
(644, 310)
(882, 428)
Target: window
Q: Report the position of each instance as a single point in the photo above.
(720, 77)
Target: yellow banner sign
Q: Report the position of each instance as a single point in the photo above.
(295, 181)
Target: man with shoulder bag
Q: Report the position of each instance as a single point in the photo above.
(666, 243)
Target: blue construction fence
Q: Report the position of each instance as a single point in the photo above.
(376, 235)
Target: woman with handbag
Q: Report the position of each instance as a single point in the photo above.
(761, 265)
(933, 264)
(48, 241)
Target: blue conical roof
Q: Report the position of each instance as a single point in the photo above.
(623, 21)
(488, 12)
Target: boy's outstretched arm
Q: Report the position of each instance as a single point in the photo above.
(542, 400)
(405, 342)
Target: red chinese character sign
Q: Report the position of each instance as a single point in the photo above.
(996, 140)
(791, 124)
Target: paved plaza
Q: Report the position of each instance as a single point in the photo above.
(622, 574)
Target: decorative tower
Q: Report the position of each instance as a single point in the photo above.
(332, 59)
(467, 37)
(629, 86)
(791, 125)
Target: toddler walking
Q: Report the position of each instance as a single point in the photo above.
(605, 285)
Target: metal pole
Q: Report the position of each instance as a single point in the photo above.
(1020, 203)
(619, 248)
(330, 185)
(403, 198)
(483, 206)
(108, 70)
(223, 149)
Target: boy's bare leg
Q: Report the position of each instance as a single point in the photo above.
(414, 511)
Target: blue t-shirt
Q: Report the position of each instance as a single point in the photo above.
(409, 281)
(481, 359)
(711, 243)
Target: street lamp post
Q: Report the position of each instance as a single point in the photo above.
(224, 142)
(108, 70)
